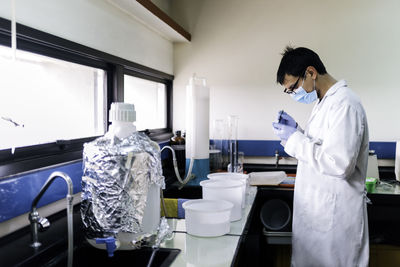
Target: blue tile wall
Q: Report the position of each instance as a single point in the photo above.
(267, 148)
(17, 193)
(261, 148)
(384, 150)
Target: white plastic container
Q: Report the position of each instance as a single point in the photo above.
(206, 252)
(207, 218)
(122, 117)
(228, 190)
(232, 176)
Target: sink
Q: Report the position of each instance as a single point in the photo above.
(86, 255)
(53, 251)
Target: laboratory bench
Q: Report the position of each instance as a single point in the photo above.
(266, 248)
(209, 251)
(245, 245)
(259, 247)
(384, 224)
(15, 248)
(384, 213)
(182, 249)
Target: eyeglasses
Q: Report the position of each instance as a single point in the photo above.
(290, 90)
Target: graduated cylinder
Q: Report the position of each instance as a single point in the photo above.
(197, 128)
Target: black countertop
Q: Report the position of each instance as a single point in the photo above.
(15, 248)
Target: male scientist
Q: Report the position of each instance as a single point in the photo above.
(330, 224)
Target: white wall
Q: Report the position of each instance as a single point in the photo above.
(97, 24)
(236, 45)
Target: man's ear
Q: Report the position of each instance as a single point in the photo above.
(312, 71)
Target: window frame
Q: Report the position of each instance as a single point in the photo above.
(155, 134)
(29, 158)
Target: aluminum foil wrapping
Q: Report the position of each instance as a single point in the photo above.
(162, 234)
(116, 178)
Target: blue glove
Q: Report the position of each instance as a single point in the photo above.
(283, 131)
(286, 119)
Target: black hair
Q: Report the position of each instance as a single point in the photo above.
(295, 62)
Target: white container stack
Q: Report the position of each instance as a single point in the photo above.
(223, 200)
(232, 176)
(228, 190)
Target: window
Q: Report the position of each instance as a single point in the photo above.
(43, 100)
(149, 98)
(56, 95)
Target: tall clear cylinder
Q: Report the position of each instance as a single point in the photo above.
(397, 161)
(233, 122)
(197, 128)
(216, 149)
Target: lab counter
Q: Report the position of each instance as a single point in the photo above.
(244, 244)
(383, 213)
(209, 251)
(383, 219)
(387, 187)
(182, 250)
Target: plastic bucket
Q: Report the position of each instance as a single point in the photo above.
(207, 218)
(232, 176)
(228, 190)
(207, 252)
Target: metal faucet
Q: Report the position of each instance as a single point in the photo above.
(42, 223)
(277, 158)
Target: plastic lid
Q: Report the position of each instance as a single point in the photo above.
(122, 112)
(233, 175)
(228, 183)
(207, 205)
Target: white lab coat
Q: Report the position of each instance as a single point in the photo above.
(330, 223)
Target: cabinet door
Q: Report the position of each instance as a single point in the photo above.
(384, 255)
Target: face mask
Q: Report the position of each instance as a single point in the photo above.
(303, 97)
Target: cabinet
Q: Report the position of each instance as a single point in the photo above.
(384, 255)
(384, 232)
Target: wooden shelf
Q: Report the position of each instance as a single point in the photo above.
(153, 17)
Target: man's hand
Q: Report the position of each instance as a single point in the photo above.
(286, 119)
(283, 131)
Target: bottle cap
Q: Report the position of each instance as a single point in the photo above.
(122, 112)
